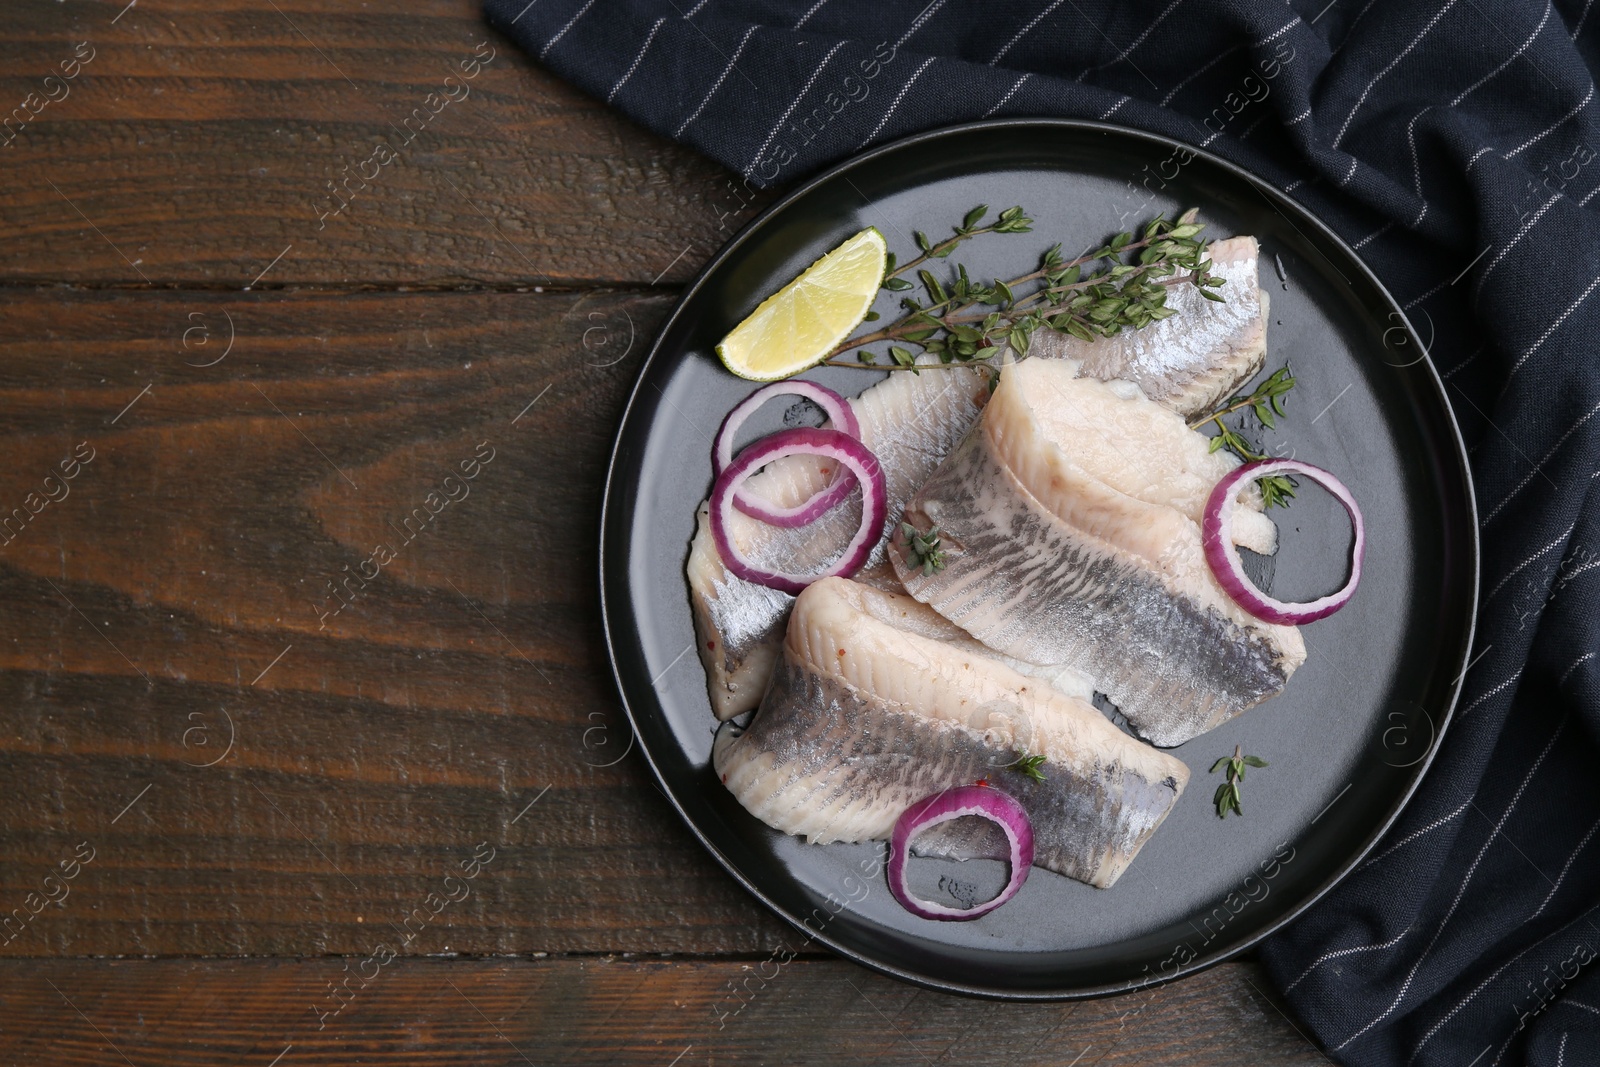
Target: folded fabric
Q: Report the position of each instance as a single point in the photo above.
(1454, 144)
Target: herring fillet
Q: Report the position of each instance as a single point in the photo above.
(843, 743)
(910, 422)
(1047, 563)
(1194, 359)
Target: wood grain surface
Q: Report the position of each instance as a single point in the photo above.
(199, 141)
(235, 727)
(662, 1013)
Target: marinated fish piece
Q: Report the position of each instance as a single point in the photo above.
(1196, 358)
(1048, 563)
(865, 716)
(1144, 449)
(910, 422)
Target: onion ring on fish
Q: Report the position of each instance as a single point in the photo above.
(1217, 539)
(999, 808)
(851, 454)
(840, 415)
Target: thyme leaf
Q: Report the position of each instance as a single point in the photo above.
(922, 549)
(1226, 798)
(1028, 765)
(1265, 402)
(962, 319)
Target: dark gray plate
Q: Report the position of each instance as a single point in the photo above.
(1347, 741)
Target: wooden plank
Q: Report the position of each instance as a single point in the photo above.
(177, 596)
(197, 142)
(607, 1011)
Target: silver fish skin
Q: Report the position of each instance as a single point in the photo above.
(910, 422)
(1194, 359)
(843, 743)
(1046, 563)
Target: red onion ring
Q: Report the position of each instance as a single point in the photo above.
(804, 441)
(1217, 539)
(999, 808)
(840, 415)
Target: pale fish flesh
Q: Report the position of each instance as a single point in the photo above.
(910, 422)
(1046, 562)
(865, 716)
(1198, 357)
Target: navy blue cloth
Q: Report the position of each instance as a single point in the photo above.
(1454, 143)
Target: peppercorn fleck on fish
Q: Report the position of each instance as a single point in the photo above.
(1058, 550)
(866, 714)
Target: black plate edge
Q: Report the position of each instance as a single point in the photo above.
(1286, 207)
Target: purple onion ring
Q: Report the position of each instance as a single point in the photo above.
(999, 808)
(1216, 535)
(840, 416)
(849, 453)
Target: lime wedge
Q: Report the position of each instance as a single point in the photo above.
(796, 327)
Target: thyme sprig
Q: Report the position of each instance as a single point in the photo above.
(1227, 795)
(922, 549)
(963, 320)
(1266, 403)
(1028, 765)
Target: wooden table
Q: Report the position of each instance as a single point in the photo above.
(312, 820)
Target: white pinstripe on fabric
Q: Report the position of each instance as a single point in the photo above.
(1479, 154)
(1574, 572)
(1585, 201)
(1579, 27)
(1416, 174)
(1565, 870)
(1493, 692)
(804, 89)
(917, 23)
(998, 56)
(1561, 1053)
(1299, 118)
(1472, 870)
(737, 52)
(1526, 227)
(1568, 1002)
(901, 95)
(1275, 34)
(1114, 108)
(1553, 448)
(1006, 99)
(551, 43)
(1563, 120)
(812, 10)
(1137, 41)
(695, 10)
(1392, 64)
(1351, 173)
(1218, 58)
(1537, 555)
(1580, 661)
(1379, 232)
(1415, 835)
(637, 59)
(1343, 952)
(1552, 328)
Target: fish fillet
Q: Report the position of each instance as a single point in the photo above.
(1048, 563)
(912, 422)
(1194, 359)
(865, 716)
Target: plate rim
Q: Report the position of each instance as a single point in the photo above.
(1285, 206)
